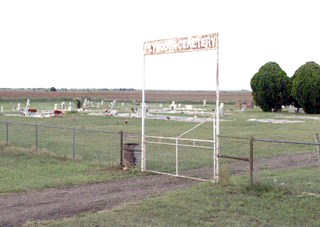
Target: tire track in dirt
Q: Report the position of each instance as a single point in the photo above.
(17, 208)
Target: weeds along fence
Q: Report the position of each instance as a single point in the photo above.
(79, 144)
(268, 160)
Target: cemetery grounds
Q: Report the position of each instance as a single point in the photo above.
(42, 188)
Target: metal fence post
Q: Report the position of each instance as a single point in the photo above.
(177, 158)
(316, 137)
(74, 144)
(7, 133)
(37, 138)
(121, 149)
(251, 160)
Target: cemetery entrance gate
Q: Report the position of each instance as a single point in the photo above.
(177, 151)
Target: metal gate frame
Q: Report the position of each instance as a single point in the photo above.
(178, 142)
(181, 45)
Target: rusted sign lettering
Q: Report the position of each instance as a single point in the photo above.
(178, 45)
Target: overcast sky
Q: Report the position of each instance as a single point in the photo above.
(99, 44)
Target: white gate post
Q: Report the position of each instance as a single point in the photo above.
(143, 110)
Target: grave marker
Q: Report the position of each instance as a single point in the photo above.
(173, 106)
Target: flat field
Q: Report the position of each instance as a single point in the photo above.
(126, 95)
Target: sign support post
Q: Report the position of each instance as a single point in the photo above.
(181, 45)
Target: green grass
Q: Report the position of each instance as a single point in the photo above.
(236, 204)
(104, 148)
(280, 198)
(25, 170)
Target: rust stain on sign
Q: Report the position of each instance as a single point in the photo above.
(178, 45)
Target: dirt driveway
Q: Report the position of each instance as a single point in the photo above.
(17, 208)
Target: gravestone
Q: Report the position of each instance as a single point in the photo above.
(173, 106)
(189, 107)
(63, 105)
(292, 109)
(222, 109)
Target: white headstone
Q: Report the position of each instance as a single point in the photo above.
(113, 112)
(63, 105)
(292, 109)
(55, 106)
(19, 106)
(173, 106)
(204, 102)
(189, 107)
(1, 109)
(222, 109)
(101, 103)
(179, 105)
(28, 102)
(160, 106)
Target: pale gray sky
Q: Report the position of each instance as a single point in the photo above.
(99, 44)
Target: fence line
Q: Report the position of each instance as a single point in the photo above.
(103, 146)
(232, 152)
(76, 143)
(270, 140)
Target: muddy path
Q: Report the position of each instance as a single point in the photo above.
(18, 208)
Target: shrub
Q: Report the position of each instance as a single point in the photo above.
(78, 103)
(306, 87)
(270, 87)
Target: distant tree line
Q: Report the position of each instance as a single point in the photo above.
(272, 88)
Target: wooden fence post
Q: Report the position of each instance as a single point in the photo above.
(121, 149)
(37, 138)
(74, 144)
(316, 137)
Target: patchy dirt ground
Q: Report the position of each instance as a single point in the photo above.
(17, 208)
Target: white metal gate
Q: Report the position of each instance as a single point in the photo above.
(181, 157)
